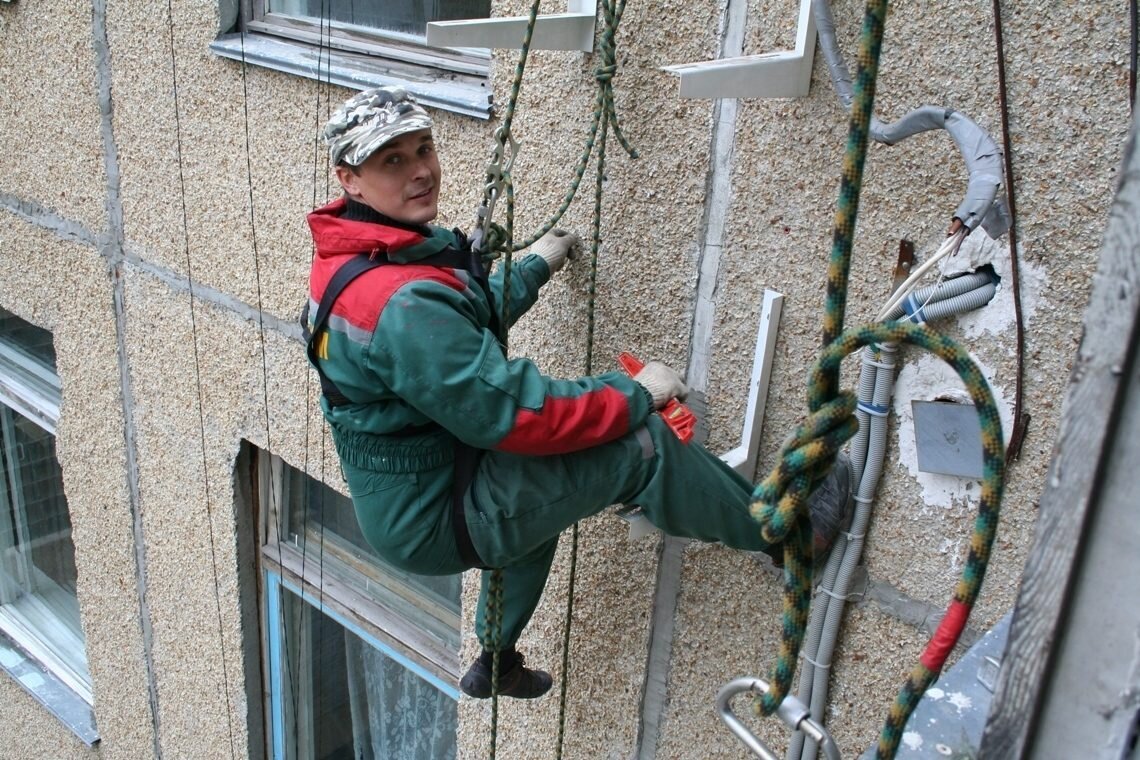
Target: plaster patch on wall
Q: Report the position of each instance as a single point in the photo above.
(912, 740)
(998, 316)
(961, 701)
(926, 379)
(952, 548)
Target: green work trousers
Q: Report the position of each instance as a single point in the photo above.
(518, 506)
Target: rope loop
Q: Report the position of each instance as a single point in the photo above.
(497, 240)
(804, 461)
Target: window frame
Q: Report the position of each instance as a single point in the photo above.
(333, 586)
(41, 650)
(452, 79)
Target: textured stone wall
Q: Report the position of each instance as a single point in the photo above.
(128, 232)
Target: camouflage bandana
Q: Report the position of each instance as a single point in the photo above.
(368, 120)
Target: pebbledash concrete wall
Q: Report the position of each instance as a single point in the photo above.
(94, 248)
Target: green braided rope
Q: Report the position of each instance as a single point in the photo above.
(605, 112)
(566, 644)
(595, 246)
(493, 636)
(779, 502)
(500, 239)
(851, 181)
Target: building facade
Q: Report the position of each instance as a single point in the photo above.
(182, 575)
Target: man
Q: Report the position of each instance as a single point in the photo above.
(455, 455)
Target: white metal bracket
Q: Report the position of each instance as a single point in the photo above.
(783, 74)
(743, 457)
(573, 30)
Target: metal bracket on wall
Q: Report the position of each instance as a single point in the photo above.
(743, 457)
(573, 30)
(782, 74)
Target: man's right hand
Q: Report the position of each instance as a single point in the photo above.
(662, 383)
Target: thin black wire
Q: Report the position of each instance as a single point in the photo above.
(198, 374)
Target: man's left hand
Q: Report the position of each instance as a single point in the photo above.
(555, 247)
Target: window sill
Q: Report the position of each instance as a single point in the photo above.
(459, 93)
(49, 691)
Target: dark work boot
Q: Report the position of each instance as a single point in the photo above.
(515, 679)
(831, 506)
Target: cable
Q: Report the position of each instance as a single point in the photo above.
(948, 248)
(1020, 418)
(198, 375)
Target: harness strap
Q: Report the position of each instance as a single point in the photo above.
(464, 258)
(349, 271)
(466, 461)
(466, 457)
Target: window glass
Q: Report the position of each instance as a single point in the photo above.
(353, 700)
(405, 16)
(334, 513)
(38, 605)
(362, 656)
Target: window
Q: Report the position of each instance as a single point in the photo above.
(41, 640)
(365, 43)
(362, 658)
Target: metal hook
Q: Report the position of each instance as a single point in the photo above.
(792, 711)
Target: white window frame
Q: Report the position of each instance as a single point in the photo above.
(43, 654)
(351, 589)
(455, 79)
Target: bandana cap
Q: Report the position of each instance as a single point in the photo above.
(367, 120)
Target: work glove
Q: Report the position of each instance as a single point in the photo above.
(662, 383)
(555, 247)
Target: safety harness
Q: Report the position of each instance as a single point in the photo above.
(466, 457)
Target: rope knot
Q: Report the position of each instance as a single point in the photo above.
(605, 73)
(805, 459)
(497, 240)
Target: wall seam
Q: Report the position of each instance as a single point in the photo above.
(44, 218)
(72, 231)
(722, 143)
(111, 244)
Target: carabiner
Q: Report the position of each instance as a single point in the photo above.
(792, 711)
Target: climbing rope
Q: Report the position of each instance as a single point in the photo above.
(492, 238)
(495, 239)
(780, 500)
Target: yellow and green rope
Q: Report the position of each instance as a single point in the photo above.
(500, 240)
(780, 501)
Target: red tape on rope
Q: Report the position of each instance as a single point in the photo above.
(944, 639)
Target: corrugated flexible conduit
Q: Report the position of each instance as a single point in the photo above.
(867, 454)
(983, 205)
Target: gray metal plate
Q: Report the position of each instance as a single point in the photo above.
(948, 437)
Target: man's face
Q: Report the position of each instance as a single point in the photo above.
(400, 180)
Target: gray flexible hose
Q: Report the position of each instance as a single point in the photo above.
(884, 387)
(868, 451)
(956, 305)
(876, 381)
(954, 286)
(982, 204)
